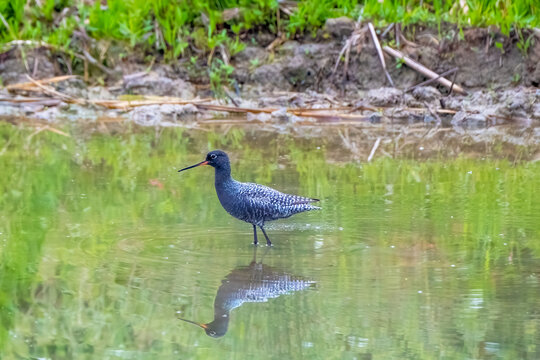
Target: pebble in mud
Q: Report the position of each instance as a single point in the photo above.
(154, 84)
(339, 27)
(426, 93)
(384, 96)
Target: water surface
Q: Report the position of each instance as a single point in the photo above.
(104, 248)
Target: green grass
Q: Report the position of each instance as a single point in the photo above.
(169, 25)
(173, 29)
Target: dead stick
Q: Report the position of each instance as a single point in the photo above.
(434, 79)
(388, 29)
(343, 50)
(379, 52)
(96, 63)
(23, 100)
(277, 42)
(423, 70)
(125, 104)
(31, 85)
(452, 86)
(230, 96)
(50, 91)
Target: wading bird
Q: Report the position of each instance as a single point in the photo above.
(252, 203)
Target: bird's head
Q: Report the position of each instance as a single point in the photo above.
(215, 329)
(217, 159)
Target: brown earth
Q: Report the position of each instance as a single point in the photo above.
(502, 84)
(307, 63)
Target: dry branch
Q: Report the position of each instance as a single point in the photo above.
(51, 92)
(127, 104)
(31, 86)
(427, 82)
(379, 52)
(277, 42)
(424, 70)
(96, 63)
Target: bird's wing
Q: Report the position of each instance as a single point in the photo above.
(265, 194)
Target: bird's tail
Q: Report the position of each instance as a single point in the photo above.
(303, 200)
(307, 207)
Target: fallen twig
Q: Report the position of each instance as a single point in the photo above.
(26, 100)
(49, 102)
(388, 29)
(379, 52)
(277, 42)
(423, 70)
(400, 36)
(127, 104)
(451, 71)
(452, 86)
(230, 96)
(312, 113)
(50, 91)
(96, 63)
(34, 43)
(345, 50)
(31, 86)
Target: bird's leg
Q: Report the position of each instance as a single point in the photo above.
(255, 242)
(268, 242)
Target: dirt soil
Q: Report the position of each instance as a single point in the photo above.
(502, 84)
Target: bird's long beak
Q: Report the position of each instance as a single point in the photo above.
(192, 166)
(204, 326)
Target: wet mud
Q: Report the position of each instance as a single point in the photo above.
(307, 89)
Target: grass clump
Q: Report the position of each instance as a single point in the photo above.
(170, 26)
(174, 29)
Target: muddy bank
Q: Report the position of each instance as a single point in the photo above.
(306, 83)
(72, 100)
(485, 59)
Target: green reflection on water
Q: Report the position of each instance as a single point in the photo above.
(104, 246)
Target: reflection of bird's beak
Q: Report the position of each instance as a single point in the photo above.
(192, 166)
(204, 326)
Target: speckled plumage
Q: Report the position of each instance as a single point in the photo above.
(256, 204)
(254, 283)
(252, 203)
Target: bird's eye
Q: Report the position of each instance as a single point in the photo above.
(213, 156)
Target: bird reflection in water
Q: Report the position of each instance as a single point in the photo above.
(256, 282)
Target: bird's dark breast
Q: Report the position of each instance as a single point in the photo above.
(243, 207)
(235, 204)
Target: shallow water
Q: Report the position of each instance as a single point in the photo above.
(105, 247)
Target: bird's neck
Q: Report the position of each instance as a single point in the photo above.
(223, 175)
(220, 324)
